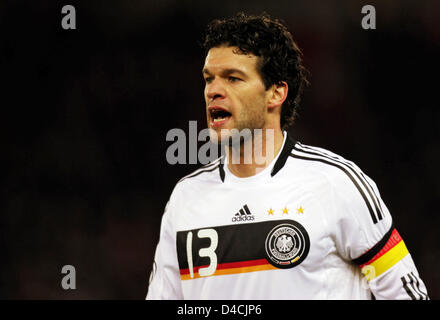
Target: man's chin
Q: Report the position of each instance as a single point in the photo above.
(229, 137)
(216, 136)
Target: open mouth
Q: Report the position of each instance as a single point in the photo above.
(219, 116)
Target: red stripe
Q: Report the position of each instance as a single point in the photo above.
(229, 265)
(394, 239)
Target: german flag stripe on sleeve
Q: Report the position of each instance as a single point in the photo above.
(390, 250)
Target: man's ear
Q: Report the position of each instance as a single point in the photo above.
(277, 95)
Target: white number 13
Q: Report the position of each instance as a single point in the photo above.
(204, 252)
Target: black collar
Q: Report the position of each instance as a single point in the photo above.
(279, 164)
(287, 149)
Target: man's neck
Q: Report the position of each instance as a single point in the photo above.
(254, 154)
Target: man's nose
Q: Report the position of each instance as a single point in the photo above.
(215, 90)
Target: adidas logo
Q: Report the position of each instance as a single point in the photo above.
(243, 215)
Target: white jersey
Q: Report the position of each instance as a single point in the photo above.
(311, 225)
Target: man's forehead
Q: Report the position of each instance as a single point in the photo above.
(219, 58)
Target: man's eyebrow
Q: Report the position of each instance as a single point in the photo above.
(232, 70)
(225, 71)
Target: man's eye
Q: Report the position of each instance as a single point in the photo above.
(208, 79)
(234, 79)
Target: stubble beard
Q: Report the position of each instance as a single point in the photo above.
(243, 130)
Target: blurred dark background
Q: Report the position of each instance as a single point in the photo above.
(85, 112)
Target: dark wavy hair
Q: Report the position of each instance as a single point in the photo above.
(267, 38)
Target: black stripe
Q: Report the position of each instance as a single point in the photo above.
(375, 195)
(221, 171)
(242, 212)
(413, 286)
(367, 256)
(417, 286)
(355, 170)
(407, 289)
(364, 180)
(237, 242)
(246, 209)
(279, 164)
(374, 198)
(373, 216)
(200, 172)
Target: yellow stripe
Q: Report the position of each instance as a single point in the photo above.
(382, 264)
(232, 271)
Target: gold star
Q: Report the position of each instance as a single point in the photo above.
(270, 211)
(285, 211)
(300, 209)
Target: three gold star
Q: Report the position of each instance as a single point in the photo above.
(286, 211)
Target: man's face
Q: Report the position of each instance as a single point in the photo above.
(235, 94)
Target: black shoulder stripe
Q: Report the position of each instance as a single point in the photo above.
(367, 256)
(370, 209)
(358, 174)
(209, 169)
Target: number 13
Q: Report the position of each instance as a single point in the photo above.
(204, 252)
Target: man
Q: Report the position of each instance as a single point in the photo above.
(299, 223)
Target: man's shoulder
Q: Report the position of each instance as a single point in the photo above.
(209, 173)
(194, 184)
(343, 177)
(325, 164)
(314, 159)
(317, 154)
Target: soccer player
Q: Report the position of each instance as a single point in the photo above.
(302, 222)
